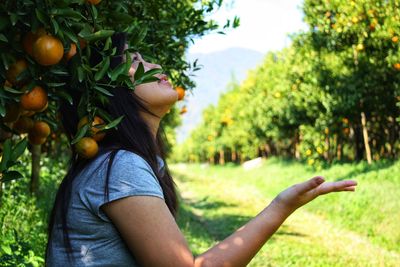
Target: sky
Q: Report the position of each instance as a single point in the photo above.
(264, 25)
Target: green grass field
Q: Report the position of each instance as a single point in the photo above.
(342, 229)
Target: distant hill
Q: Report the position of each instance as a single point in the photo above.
(218, 69)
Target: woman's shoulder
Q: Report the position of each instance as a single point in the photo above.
(127, 159)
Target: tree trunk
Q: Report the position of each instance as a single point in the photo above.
(339, 147)
(221, 157)
(365, 135)
(296, 145)
(233, 156)
(328, 147)
(34, 186)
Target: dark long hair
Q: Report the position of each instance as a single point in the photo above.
(132, 134)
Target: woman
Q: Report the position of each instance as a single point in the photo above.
(118, 209)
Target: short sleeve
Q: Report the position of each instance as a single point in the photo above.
(130, 175)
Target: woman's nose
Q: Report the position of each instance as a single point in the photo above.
(152, 66)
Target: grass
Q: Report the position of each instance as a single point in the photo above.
(343, 229)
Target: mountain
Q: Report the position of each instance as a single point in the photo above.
(218, 69)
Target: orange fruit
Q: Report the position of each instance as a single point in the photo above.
(15, 70)
(27, 113)
(71, 52)
(397, 66)
(94, 2)
(87, 147)
(34, 100)
(82, 43)
(181, 92)
(30, 38)
(13, 112)
(45, 107)
(36, 140)
(183, 110)
(40, 129)
(94, 131)
(48, 50)
(23, 124)
(395, 39)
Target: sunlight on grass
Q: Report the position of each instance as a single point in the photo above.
(346, 229)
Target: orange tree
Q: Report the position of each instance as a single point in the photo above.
(44, 41)
(332, 95)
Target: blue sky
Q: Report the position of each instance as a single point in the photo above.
(264, 25)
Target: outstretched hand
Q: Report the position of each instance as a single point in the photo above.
(300, 194)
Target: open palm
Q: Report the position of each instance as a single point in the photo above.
(300, 194)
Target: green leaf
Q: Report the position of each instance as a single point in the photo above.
(102, 90)
(81, 133)
(18, 149)
(11, 175)
(70, 35)
(102, 34)
(65, 95)
(6, 249)
(41, 16)
(55, 84)
(81, 75)
(146, 80)
(139, 72)
(56, 27)
(120, 69)
(6, 155)
(105, 66)
(113, 123)
(3, 38)
(12, 90)
(103, 114)
(2, 109)
(67, 12)
(13, 18)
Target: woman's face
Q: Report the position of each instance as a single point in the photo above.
(157, 96)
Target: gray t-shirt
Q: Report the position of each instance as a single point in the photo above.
(95, 240)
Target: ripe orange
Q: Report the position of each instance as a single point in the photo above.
(40, 129)
(13, 111)
(183, 110)
(87, 147)
(82, 43)
(48, 50)
(30, 38)
(45, 107)
(36, 140)
(23, 124)
(34, 100)
(94, 131)
(16, 69)
(94, 2)
(372, 27)
(71, 52)
(27, 113)
(397, 66)
(395, 39)
(181, 92)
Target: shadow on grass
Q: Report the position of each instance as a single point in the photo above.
(218, 226)
(362, 168)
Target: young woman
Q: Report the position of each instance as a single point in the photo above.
(119, 208)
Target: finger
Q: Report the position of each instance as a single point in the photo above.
(350, 188)
(310, 184)
(335, 186)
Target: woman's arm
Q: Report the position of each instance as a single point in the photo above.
(152, 235)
